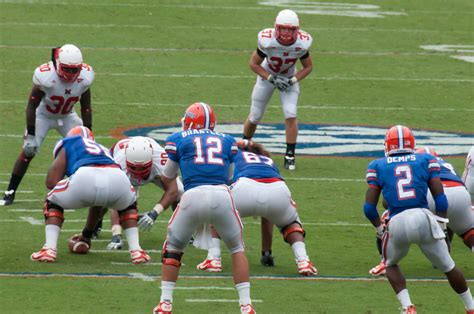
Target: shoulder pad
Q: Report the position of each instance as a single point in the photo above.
(265, 38)
(44, 75)
(87, 74)
(304, 39)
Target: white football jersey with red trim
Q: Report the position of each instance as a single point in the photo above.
(60, 96)
(281, 60)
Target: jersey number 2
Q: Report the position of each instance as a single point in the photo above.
(404, 178)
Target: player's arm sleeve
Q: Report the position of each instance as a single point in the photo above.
(170, 170)
(260, 53)
(371, 176)
(171, 149)
(86, 109)
(434, 168)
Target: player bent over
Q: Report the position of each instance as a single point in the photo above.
(143, 159)
(403, 178)
(57, 86)
(259, 190)
(204, 158)
(94, 180)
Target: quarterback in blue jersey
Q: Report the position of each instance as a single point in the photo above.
(259, 190)
(403, 178)
(205, 159)
(95, 181)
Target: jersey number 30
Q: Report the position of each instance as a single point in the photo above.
(404, 179)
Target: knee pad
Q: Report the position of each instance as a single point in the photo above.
(131, 212)
(466, 236)
(286, 231)
(51, 209)
(171, 258)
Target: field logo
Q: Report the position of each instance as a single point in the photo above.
(327, 140)
(333, 9)
(467, 51)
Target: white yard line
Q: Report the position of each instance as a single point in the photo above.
(120, 251)
(142, 276)
(32, 220)
(219, 300)
(21, 210)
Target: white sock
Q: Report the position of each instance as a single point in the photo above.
(466, 297)
(132, 238)
(243, 289)
(404, 298)
(52, 236)
(299, 249)
(116, 230)
(214, 251)
(167, 288)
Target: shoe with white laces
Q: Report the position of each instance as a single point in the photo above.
(211, 264)
(139, 257)
(306, 268)
(8, 198)
(247, 309)
(165, 307)
(378, 270)
(116, 243)
(409, 310)
(46, 254)
(289, 163)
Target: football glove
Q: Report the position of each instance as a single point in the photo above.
(30, 146)
(146, 221)
(282, 83)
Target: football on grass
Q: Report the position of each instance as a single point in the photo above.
(78, 245)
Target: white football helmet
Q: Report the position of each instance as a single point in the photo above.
(287, 25)
(68, 62)
(138, 155)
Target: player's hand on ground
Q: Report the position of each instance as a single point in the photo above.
(146, 221)
(30, 146)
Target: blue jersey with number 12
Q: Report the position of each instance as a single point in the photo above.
(253, 166)
(403, 179)
(82, 152)
(204, 156)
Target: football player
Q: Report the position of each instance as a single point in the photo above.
(468, 175)
(57, 86)
(143, 159)
(403, 178)
(460, 215)
(204, 158)
(274, 62)
(95, 181)
(259, 190)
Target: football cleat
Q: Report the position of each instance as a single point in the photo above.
(247, 309)
(212, 265)
(306, 268)
(409, 310)
(8, 198)
(165, 307)
(139, 257)
(116, 243)
(46, 254)
(267, 259)
(470, 311)
(289, 163)
(378, 270)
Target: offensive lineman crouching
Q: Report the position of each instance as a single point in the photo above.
(95, 181)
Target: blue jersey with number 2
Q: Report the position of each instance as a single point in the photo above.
(204, 156)
(403, 179)
(82, 152)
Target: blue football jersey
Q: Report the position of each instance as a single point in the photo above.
(82, 152)
(447, 172)
(204, 156)
(253, 166)
(403, 179)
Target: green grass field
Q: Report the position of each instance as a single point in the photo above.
(154, 58)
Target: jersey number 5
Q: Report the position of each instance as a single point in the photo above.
(404, 178)
(213, 146)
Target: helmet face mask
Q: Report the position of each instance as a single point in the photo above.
(287, 26)
(138, 155)
(68, 62)
(199, 116)
(81, 131)
(399, 139)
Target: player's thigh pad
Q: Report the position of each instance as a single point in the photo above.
(68, 122)
(261, 94)
(289, 101)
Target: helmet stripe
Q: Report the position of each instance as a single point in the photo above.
(400, 137)
(84, 132)
(207, 117)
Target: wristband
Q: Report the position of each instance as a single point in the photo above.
(441, 203)
(269, 77)
(158, 208)
(370, 211)
(30, 129)
(293, 80)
